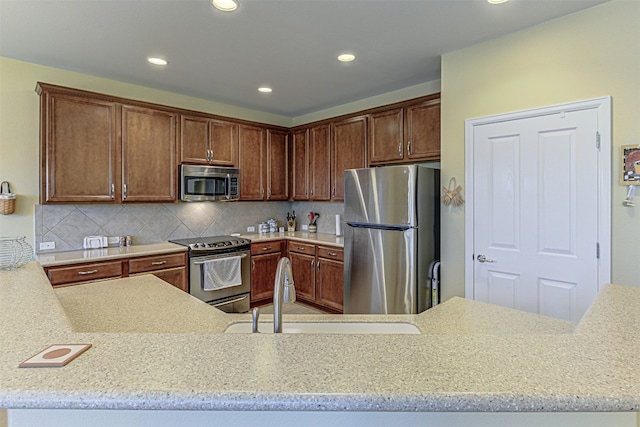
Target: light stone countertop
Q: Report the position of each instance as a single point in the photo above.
(149, 354)
(301, 236)
(49, 259)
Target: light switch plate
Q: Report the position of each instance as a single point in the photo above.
(47, 245)
(251, 229)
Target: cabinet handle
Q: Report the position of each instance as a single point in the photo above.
(333, 192)
(312, 192)
(253, 264)
(301, 248)
(266, 248)
(333, 253)
(409, 147)
(124, 191)
(400, 149)
(211, 156)
(261, 192)
(113, 190)
(83, 273)
(269, 193)
(318, 266)
(207, 155)
(158, 262)
(313, 264)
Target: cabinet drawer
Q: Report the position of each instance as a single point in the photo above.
(84, 272)
(156, 262)
(331, 252)
(302, 248)
(266, 247)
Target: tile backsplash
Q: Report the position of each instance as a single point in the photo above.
(67, 225)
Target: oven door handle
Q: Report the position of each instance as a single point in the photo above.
(202, 262)
(220, 304)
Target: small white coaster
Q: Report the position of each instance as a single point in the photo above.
(55, 356)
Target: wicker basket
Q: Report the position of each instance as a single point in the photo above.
(14, 252)
(7, 199)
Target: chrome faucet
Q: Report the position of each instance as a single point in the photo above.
(283, 291)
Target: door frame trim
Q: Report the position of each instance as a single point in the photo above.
(602, 106)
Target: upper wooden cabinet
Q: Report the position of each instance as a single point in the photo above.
(405, 134)
(96, 148)
(348, 147)
(148, 155)
(311, 163)
(208, 141)
(252, 162)
(263, 163)
(277, 169)
(79, 143)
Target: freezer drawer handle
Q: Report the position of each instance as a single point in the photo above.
(482, 258)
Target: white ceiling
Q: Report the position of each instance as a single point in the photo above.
(290, 45)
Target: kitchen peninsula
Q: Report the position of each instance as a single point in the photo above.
(470, 357)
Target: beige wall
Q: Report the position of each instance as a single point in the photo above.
(586, 55)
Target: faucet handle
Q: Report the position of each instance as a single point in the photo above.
(255, 314)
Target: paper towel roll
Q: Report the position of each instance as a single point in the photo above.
(338, 226)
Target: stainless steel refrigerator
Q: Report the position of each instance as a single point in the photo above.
(391, 238)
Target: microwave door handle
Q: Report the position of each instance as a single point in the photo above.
(228, 195)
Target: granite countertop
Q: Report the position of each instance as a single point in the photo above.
(72, 257)
(301, 236)
(147, 354)
(50, 259)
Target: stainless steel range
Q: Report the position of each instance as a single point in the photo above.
(220, 271)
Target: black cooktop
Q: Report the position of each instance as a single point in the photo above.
(213, 244)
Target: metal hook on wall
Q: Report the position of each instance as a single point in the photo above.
(628, 201)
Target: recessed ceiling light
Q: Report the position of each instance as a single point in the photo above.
(225, 5)
(157, 61)
(265, 89)
(346, 57)
(497, 1)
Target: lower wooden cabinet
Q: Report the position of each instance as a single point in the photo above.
(172, 268)
(318, 274)
(264, 262)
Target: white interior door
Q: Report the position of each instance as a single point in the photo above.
(536, 184)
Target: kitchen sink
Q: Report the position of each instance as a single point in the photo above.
(327, 328)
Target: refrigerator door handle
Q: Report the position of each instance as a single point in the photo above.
(380, 226)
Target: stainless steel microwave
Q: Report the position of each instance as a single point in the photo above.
(208, 183)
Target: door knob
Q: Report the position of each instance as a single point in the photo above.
(482, 258)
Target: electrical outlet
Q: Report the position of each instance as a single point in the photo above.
(47, 245)
(305, 227)
(251, 229)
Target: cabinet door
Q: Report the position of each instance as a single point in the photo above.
(252, 162)
(194, 139)
(148, 155)
(277, 169)
(263, 275)
(349, 151)
(422, 131)
(386, 137)
(224, 143)
(300, 165)
(320, 146)
(329, 281)
(174, 276)
(303, 267)
(79, 155)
